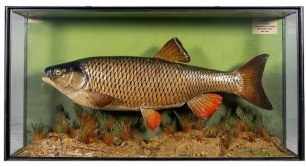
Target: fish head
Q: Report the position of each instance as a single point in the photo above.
(67, 77)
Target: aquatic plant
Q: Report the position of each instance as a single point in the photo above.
(186, 125)
(246, 115)
(127, 132)
(241, 122)
(110, 123)
(105, 125)
(252, 123)
(263, 134)
(108, 139)
(188, 121)
(262, 127)
(88, 124)
(228, 115)
(105, 121)
(227, 125)
(212, 132)
(111, 127)
(250, 136)
(226, 143)
(199, 124)
(228, 119)
(241, 125)
(199, 137)
(169, 128)
(39, 131)
(125, 127)
(185, 121)
(264, 122)
(235, 132)
(62, 122)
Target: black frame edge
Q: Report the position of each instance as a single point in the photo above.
(7, 80)
(148, 8)
(301, 122)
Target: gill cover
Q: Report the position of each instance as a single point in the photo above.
(67, 75)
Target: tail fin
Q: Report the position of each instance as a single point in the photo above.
(252, 89)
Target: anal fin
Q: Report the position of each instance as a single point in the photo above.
(151, 117)
(205, 105)
(173, 51)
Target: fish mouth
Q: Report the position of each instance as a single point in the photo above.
(48, 81)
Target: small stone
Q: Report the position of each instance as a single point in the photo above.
(143, 144)
(117, 141)
(57, 154)
(66, 139)
(124, 144)
(147, 151)
(188, 147)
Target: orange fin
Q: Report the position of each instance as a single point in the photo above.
(99, 100)
(252, 89)
(172, 51)
(151, 117)
(205, 105)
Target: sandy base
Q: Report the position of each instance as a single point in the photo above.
(178, 145)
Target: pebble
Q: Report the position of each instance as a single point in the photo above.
(147, 151)
(66, 139)
(117, 141)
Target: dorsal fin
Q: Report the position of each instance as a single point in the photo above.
(172, 51)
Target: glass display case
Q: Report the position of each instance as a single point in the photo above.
(44, 121)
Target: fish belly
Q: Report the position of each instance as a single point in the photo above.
(152, 83)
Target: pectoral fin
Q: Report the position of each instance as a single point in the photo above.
(205, 105)
(151, 117)
(99, 100)
(172, 51)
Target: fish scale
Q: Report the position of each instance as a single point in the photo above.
(143, 82)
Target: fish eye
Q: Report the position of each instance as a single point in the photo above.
(58, 72)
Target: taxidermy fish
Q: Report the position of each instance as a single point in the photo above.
(151, 84)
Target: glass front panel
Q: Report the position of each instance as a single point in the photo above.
(213, 40)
